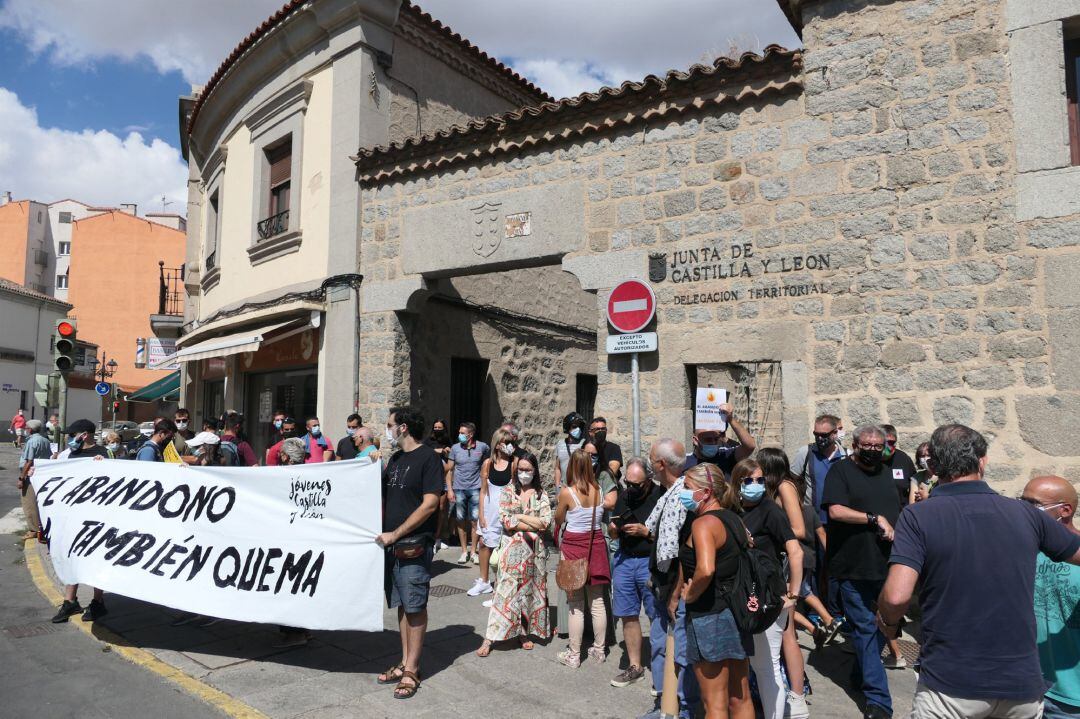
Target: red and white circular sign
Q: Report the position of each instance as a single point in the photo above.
(631, 306)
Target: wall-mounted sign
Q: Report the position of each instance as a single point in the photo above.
(518, 225)
(631, 306)
(633, 342)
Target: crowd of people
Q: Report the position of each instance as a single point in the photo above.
(856, 537)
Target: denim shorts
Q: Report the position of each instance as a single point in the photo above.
(809, 584)
(467, 504)
(407, 581)
(1054, 709)
(713, 638)
(630, 587)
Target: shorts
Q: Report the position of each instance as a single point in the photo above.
(630, 587)
(467, 504)
(713, 638)
(809, 581)
(408, 581)
(1054, 709)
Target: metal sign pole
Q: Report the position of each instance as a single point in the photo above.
(637, 403)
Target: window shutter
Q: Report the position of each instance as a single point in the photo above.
(280, 164)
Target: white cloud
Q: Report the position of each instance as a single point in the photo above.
(568, 46)
(192, 36)
(96, 167)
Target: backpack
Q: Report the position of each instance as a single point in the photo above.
(755, 595)
(229, 453)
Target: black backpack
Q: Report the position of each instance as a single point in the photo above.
(755, 595)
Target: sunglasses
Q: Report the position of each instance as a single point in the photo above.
(753, 480)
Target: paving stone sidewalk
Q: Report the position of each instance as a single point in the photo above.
(334, 675)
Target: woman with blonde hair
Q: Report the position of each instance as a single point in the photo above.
(580, 507)
(496, 473)
(519, 607)
(709, 557)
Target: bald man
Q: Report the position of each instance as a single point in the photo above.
(1057, 594)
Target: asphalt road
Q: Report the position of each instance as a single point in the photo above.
(54, 671)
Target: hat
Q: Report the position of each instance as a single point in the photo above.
(34, 425)
(79, 426)
(203, 438)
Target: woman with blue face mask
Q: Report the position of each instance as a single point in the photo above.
(772, 533)
(709, 556)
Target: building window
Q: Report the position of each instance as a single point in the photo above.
(279, 159)
(61, 282)
(22, 400)
(39, 217)
(468, 380)
(65, 248)
(586, 395)
(213, 214)
(1072, 60)
(65, 218)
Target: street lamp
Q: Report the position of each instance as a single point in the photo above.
(106, 371)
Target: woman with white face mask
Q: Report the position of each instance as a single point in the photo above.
(519, 606)
(496, 473)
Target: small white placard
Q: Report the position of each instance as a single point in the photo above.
(632, 342)
(707, 413)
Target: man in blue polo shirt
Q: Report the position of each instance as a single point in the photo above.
(463, 487)
(974, 552)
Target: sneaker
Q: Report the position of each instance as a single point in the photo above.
(67, 609)
(876, 711)
(598, 655)
(628, 677)
(94, 611)
(892, 662)
(796, 707)
(476, 559)
(654, 693)
(569, 658)
(832, 630)
(479, 587)
(464, 558)
(820, 635)
(486, 604)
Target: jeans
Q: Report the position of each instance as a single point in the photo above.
(831, 600)
(1053, 709)
(766, 666)
(868, 673)
(467, 504)
(689, 692)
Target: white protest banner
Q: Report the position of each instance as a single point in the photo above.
(292, 545)
(707, 415)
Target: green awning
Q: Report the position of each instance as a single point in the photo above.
(166, 389)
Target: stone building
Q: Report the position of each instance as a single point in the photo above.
(877, 225)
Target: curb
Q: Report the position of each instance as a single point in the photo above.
(119, 645)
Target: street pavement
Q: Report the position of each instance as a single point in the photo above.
(334, 674)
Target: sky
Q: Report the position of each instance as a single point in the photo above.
(88, 96)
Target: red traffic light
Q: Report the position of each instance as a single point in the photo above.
(65, 328)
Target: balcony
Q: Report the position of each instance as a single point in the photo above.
(273, 225)
(170, 314)
(41, 257)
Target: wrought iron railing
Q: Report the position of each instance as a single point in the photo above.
(274, 225)
(171, 290)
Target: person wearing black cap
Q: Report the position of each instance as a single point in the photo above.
(573, 425)
(81, 442)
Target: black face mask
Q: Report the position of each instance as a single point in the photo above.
(636, 492)
(870, 457)
(600, 436)
(823, 443)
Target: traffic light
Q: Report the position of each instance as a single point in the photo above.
(64, 348)
(115, 407)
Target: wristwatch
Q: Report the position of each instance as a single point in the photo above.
(871, 519)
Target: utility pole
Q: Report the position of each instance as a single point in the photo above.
(63, 408)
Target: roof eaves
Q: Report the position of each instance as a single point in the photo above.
(17, 289)
(549, 112)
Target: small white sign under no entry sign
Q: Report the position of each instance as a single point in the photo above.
(633, 342)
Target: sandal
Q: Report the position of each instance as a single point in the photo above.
(407, 691)
(484, 650)
(527, 645)
(392, 675)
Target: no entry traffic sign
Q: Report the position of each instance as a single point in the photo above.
(631, 306)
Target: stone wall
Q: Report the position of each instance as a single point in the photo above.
(860, 233)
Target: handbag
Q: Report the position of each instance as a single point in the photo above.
(410, 547)
(572, 574)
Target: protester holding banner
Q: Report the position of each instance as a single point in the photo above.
(35, 447)
(153, 450)
(711, 443)
(412, 483)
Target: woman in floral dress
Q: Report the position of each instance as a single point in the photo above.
(519, 605)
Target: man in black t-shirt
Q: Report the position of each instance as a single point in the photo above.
(630, 565)
(610, 453)
(346, 446)
(901, 467)
(860, 497)
(412, 485)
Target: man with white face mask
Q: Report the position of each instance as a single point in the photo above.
(182, 418)
(717, 448)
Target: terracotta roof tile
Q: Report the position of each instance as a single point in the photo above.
(15, 288)
(548, 112)
(407, 7)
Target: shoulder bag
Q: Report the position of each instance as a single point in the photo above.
(572, 574)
